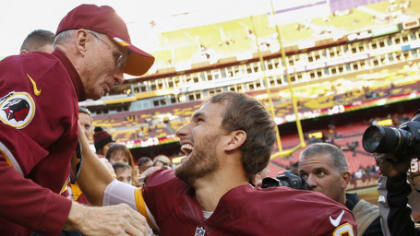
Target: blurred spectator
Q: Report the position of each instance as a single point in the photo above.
(352, 147)
(324, 167)
(123, 172)
(144, 163)
(119, 153)
(359, 173)
(38, 40)
(102, 140)
(85, 120)
(161, 161)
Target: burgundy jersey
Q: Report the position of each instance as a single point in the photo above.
(38, 136)
(244, 210)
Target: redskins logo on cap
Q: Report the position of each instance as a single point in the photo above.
(17, 109)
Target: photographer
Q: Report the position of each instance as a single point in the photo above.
(394, 191)
(395, 149)
(324, 168)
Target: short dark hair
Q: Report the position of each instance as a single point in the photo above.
(143, 160)
(337, 156)
(247, 114)
(37, 39)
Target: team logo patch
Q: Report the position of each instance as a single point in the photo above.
(200, 231)
(17, 109)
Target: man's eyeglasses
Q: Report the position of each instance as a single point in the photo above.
(120, 57)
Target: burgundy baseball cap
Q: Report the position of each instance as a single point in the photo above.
(104, 19)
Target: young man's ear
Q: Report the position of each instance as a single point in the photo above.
(235, 140)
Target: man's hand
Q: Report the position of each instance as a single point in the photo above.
(110, 220)
(392, 165)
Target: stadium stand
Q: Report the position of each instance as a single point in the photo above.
(352, 59)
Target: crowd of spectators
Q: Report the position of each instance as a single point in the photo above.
(365, 172)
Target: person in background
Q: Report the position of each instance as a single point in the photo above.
(144, 163)
(38, 40)
(85, 120)
(324, 168)
(399, 193)
(119, 153)
(123, 172)
(39, 124)
(161, 161)
(102, 141)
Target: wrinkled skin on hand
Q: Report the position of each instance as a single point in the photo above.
(110, 220)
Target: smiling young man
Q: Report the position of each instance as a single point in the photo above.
(227, 142)
(39, 94)
(324, 167)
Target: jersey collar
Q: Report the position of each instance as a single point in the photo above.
(75, 78)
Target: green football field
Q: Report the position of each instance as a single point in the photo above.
(369, 194)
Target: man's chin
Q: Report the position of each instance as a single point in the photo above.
(95, 96)
(184, 174)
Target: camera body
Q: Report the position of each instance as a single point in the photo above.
(287, 179)
(404, 140)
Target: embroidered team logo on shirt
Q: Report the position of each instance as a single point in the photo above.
(200, 231)
(17, 109)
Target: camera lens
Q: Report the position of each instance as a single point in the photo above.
(384, 140)
(372, 138)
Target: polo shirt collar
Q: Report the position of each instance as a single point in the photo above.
(75, 78)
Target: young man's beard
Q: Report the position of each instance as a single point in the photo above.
(203, 161)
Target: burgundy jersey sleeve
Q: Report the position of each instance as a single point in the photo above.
(26, 203)
(38, 133)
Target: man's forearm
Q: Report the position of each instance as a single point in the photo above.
(110, 220)
(94, 177)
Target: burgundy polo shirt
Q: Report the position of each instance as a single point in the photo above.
(39, 96)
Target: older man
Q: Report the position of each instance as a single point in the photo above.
(39, 96)
(228, 141)
(324, 167)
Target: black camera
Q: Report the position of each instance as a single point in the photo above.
(404, 140)
(287, 179)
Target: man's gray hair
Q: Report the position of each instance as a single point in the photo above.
(337, 156)
(64, 36)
